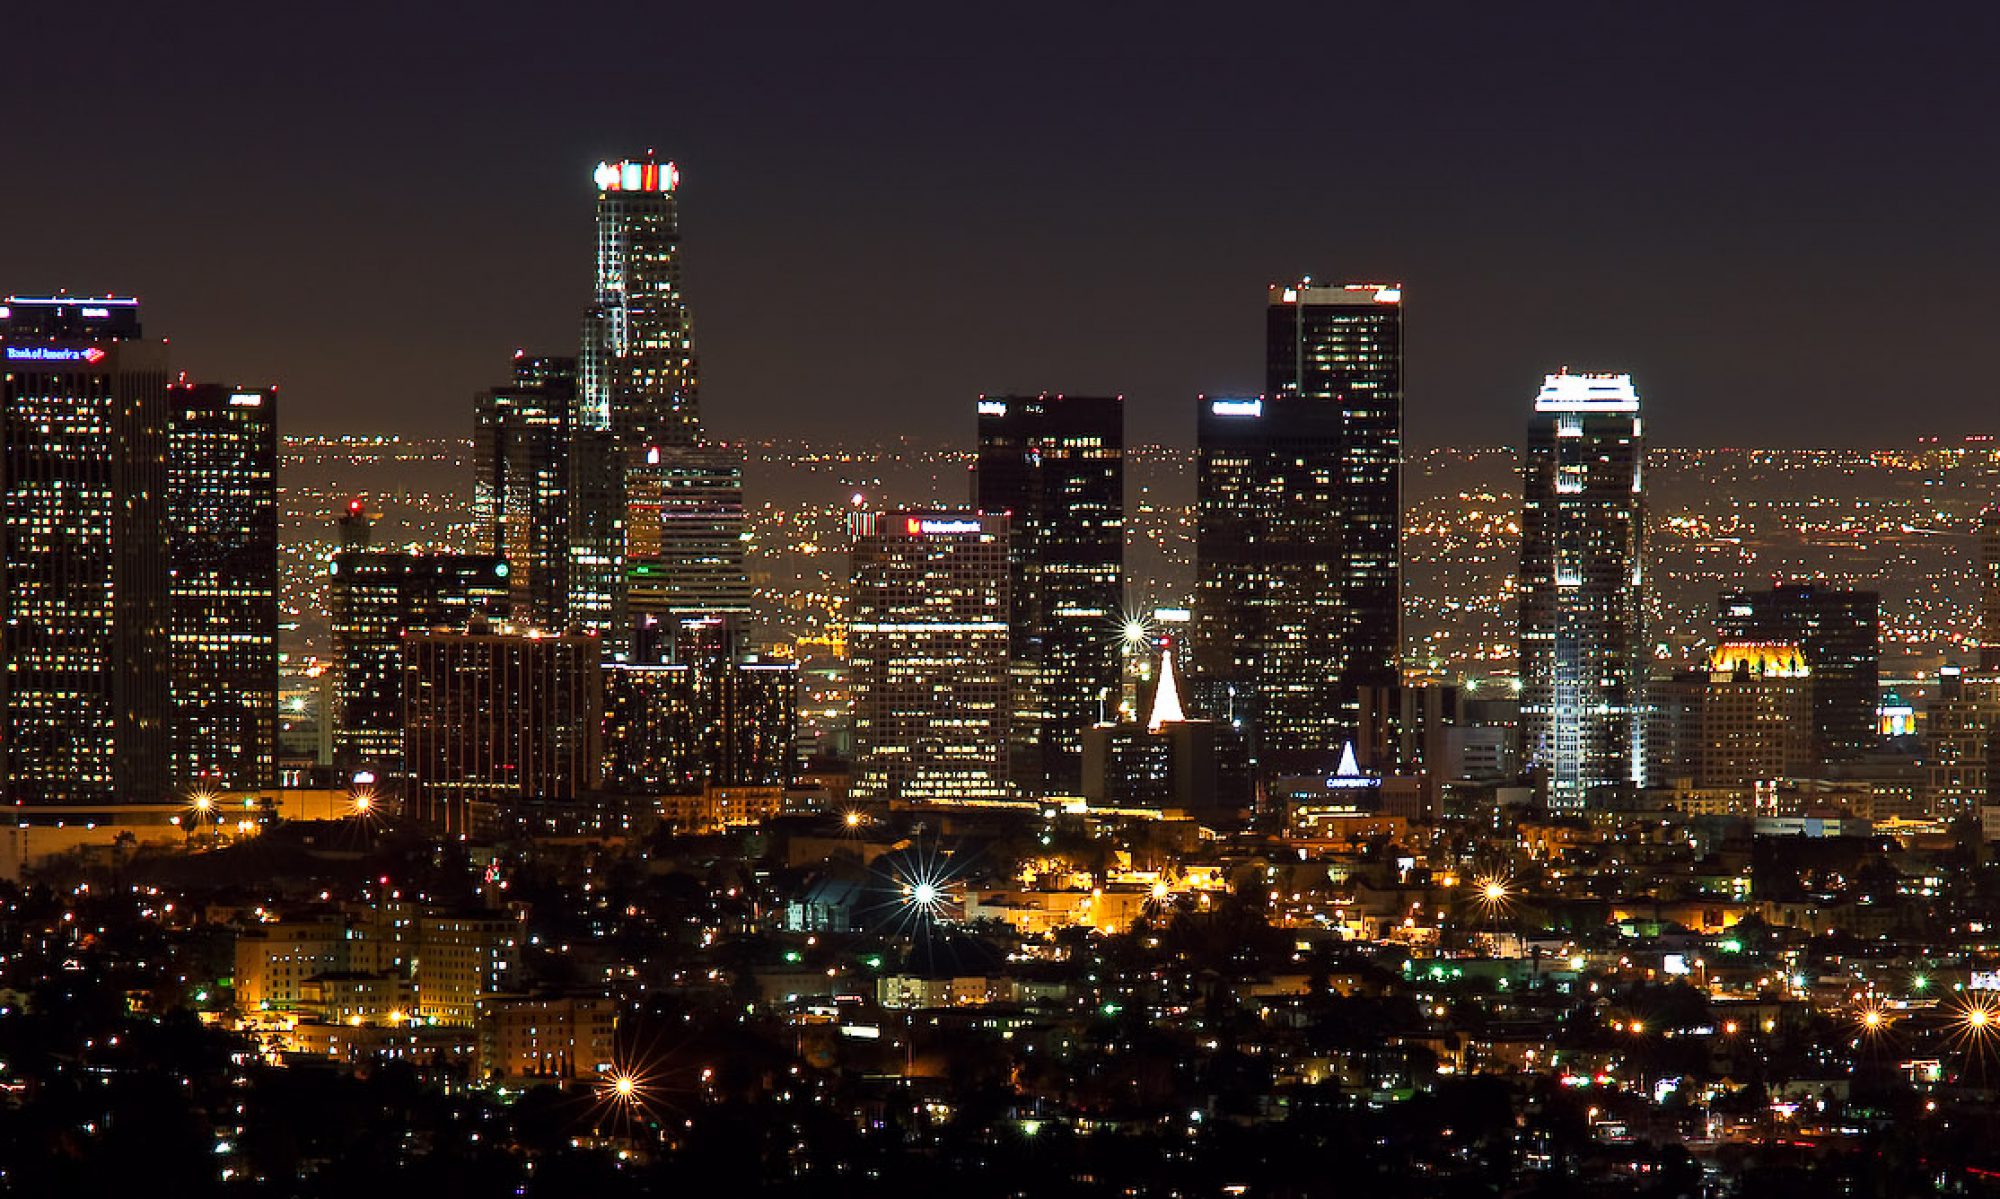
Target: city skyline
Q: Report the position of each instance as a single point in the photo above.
(1531, 229)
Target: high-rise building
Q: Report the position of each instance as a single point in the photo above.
(376, 597)
(1839, 632)
(521, 497)
(928, 647)
(714, 716)
(1989, 591)
(1745, 720)
(84, 698)
(684, 531)
(222, 537)
(497, 717)
(639, 376)
(1056, 465)
(1268, 614)
(655, 504)
(1343, 347)
(1583, 660)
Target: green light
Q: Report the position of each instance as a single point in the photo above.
(1732, 946)
(793, 955)
(1920, 983)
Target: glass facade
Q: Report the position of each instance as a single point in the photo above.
(222, 497)
(83, 567)
(1583, 659)
(521, 495)
(1056, 464)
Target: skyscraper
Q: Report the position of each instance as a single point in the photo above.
(83, 567)
(222, 533)
(639, 455)
(1343, 347)
(1268, 614)
(928, 645)
(1583, 660)
(715, 716)
(1056, 465)
(521, 496)
(1839, 632)
(495, 717)
(375, 598)
(638, 353)
(684, 532)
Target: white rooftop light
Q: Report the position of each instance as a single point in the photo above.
(1565, 392)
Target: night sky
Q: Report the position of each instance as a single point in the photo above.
(1784, 222)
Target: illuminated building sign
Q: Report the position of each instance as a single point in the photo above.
(1236, 407)
(52, 354)
(246, 400)
(992, 407)
(934, 527)
(636, 176)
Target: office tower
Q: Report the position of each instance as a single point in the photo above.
(222, 542)
(1958, 742)
(684, 531)
(83, 566)
(1268, 617)
(375, 597)
(1583, 660)
(497, 718)
(1839, 632)
(638, 352)
(1744, 719)
(1343, 347)
(521, 496)
(928, 647)
(714, 717)
(1056, 465)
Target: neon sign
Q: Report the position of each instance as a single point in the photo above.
(53, 354)
(1237, 407)
(915, 526)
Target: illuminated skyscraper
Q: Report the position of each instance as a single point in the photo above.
(928, 645)
(684, 532)
(1583, 660)
(495, 718)
(1839, 632)
(83, 568)
(376, 597)
(653, 500)
(1343, 347)
(638, 353)
(1268, 613)
(1056, 464)
(222, 532)
(521, 497)
(714, 716)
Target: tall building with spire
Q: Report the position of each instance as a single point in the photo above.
(1583, 660)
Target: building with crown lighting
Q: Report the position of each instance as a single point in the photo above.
(1583, 651)
(1056, 465)
(928, 656)
(1839, 632)
(85, 703)
(1745, 720)
(222, 536)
